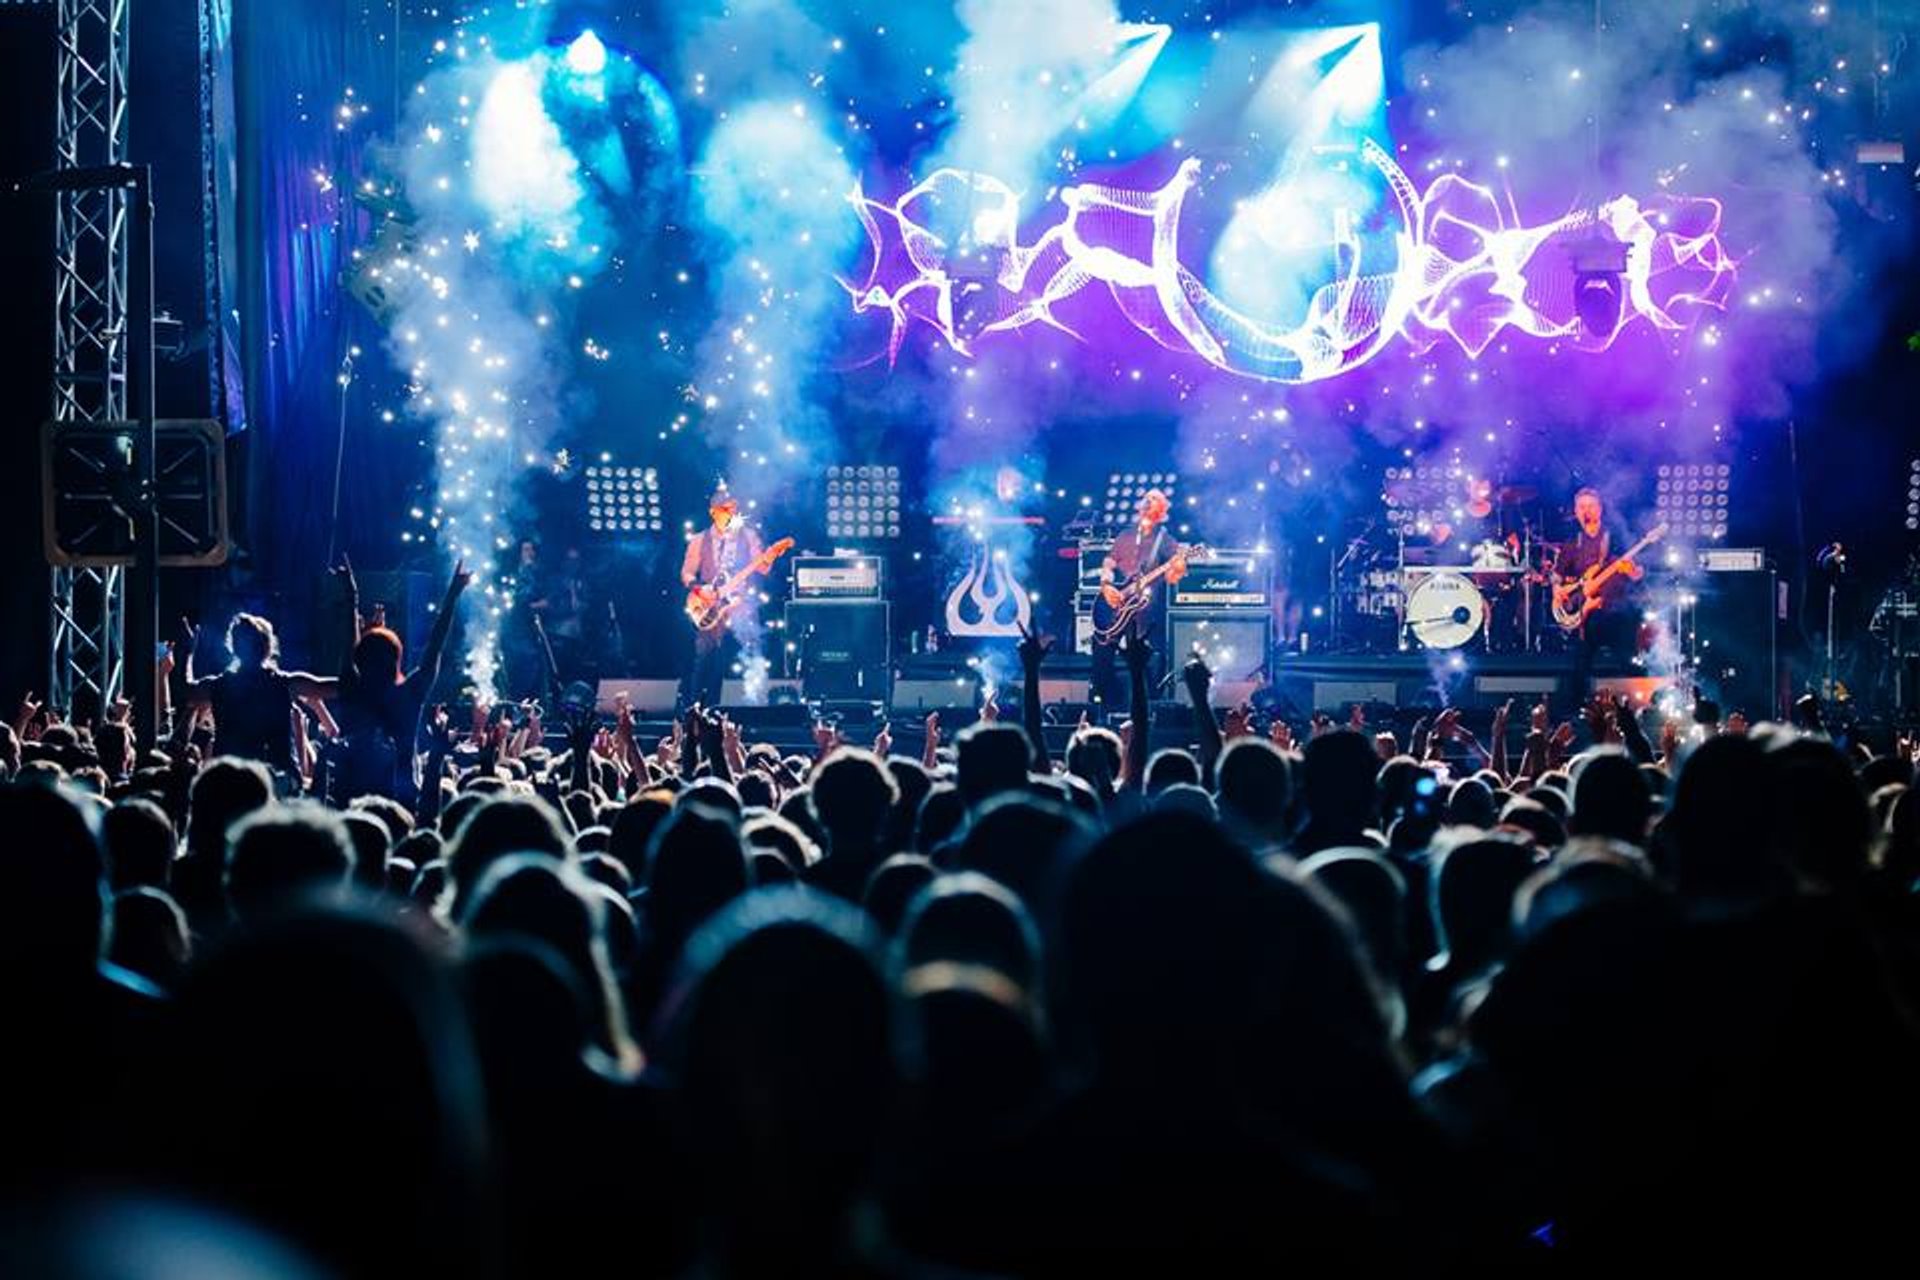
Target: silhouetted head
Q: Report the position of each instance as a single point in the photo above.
(1254, 783)
(285, 853)
(1609, 797)
(633, 827)
(534, 896)
(892, 886)
(377, 657)
(139, 842)
(1026, 844)
(1821, 824)
(150, 936)
(1170, 767)
(943, 814)
(1470, 804)
(969, 919)
(496, 828)
(990, 758)
(1718, 828)
(779, 1064)
(225, 791)
(305, 1045)
(1374, 894)
(251, 641)
(371, 847)
(53, 894)
(774, 834)
(853, 797)
(1337, 785)
(1472, 899)
(697, 864)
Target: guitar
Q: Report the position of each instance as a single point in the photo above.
(1110, 621)
(1575, 601)
(710, 605)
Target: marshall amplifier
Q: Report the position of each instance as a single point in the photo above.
(837, 577)
(1237, 579)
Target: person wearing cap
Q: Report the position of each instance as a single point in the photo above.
(725, 547)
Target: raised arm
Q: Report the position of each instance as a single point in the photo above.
(1199, 682)
(429, 668)
(1139, 653)
(1033, 651)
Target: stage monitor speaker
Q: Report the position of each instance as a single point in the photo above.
(646, 697)
(1234, 644)
(842, 646)
(733, 693)
(935, 695)
(1735, 640)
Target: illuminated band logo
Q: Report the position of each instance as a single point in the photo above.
(1463, 268)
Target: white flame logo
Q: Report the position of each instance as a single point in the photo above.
(989, 601)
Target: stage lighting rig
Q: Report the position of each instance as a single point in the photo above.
(623, 500)
(1125, 489)
(1913, 496)
(1691, 499)
(863, 502)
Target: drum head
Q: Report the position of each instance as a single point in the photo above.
(1445, 610)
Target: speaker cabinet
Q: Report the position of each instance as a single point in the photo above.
(1234, 644)
(1734, 640)
(842, 647)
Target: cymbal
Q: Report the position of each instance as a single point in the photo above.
(1512, 495)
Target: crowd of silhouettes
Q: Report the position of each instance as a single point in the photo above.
(324, 984)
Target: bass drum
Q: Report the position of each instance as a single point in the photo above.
(1445, 611)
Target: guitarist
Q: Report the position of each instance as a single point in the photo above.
(1140, 550)
(723, 548)
(1610, 627)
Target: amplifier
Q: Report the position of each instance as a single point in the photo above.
(1093, 554)
(842, 646)
(1233, 643)
(1732, 559)
(1226, 579)
(837, 577)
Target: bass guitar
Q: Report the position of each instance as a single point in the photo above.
(710, 605)
(1110, 620)
(1577, 599)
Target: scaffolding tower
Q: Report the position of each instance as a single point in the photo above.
(87, 606)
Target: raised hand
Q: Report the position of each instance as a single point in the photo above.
(1540, 720)
(28, 712)
(1500, 716)
(1199, 678)
(1321, 726)
(883, 740)
(990, 706)
(930, 754)
(462, 577)
(1357, 717)
(1669, 740)
(1385, 746)
(1280, 734)
(1237, 722)
(1138, 652)
(1563, 736)
(825, 737)
(440, 729)
(1033, 648)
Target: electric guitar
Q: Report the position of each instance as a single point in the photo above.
(1577, 600)
(710, 605)
(1110, 621)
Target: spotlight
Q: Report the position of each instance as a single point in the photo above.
(1913, 496)
(622, 500)
(863, 502)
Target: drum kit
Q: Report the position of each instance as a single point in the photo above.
(1439, 592)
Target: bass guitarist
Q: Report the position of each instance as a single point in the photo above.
(1610, 628)
(715, 554)
(1139, 551)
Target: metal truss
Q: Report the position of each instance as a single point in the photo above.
(87, 607)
